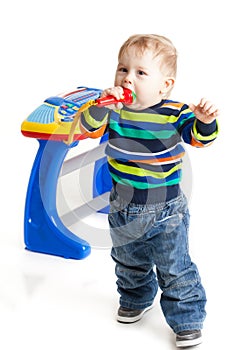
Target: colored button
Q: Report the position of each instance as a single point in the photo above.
(70, 110)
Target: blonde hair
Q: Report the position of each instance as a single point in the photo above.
(160, 45)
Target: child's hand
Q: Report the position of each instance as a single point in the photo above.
(205, 111)
(117, 92)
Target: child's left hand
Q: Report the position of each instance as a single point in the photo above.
(205, 111)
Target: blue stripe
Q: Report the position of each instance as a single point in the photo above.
(140, 125)
(118, 154)
(142, 145)
(145, 179)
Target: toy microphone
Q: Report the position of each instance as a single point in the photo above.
(129, 97)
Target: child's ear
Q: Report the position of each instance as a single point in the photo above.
(167, 85)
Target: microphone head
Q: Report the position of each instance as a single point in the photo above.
(128, 98)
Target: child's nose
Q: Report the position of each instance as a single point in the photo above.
(128, 80)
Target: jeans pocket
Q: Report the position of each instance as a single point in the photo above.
(173, 215)
(124, 228)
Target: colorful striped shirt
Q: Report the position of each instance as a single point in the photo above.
(144, 148)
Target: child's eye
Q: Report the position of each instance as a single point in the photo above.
(123, 70)
(140, 72)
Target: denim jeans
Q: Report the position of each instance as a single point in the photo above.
(150, 249)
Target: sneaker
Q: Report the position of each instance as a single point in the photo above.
(188, 338)
(125, 315)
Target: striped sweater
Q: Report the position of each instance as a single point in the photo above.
(144, 149)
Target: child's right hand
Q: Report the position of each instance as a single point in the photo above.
(117, 92)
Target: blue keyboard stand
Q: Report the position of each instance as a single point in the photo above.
(44, 232)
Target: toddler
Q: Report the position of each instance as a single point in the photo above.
(149, 217)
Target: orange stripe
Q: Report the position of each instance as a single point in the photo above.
(196, 143)
(93, 134)
(160, 160)
(174, 104)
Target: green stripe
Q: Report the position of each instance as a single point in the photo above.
(142, 134)
(95, 124)
(183, 114)
(143, 185)
(200, 137)
(147, 117)
(142, 172)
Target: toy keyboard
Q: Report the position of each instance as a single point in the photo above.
(52, 120)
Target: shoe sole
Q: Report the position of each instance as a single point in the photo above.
(188, 343)
(123, 319)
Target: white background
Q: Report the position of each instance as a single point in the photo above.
(52, 46)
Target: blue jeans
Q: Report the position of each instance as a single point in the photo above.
(154, 237)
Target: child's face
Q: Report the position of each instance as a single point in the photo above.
(141, 73)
